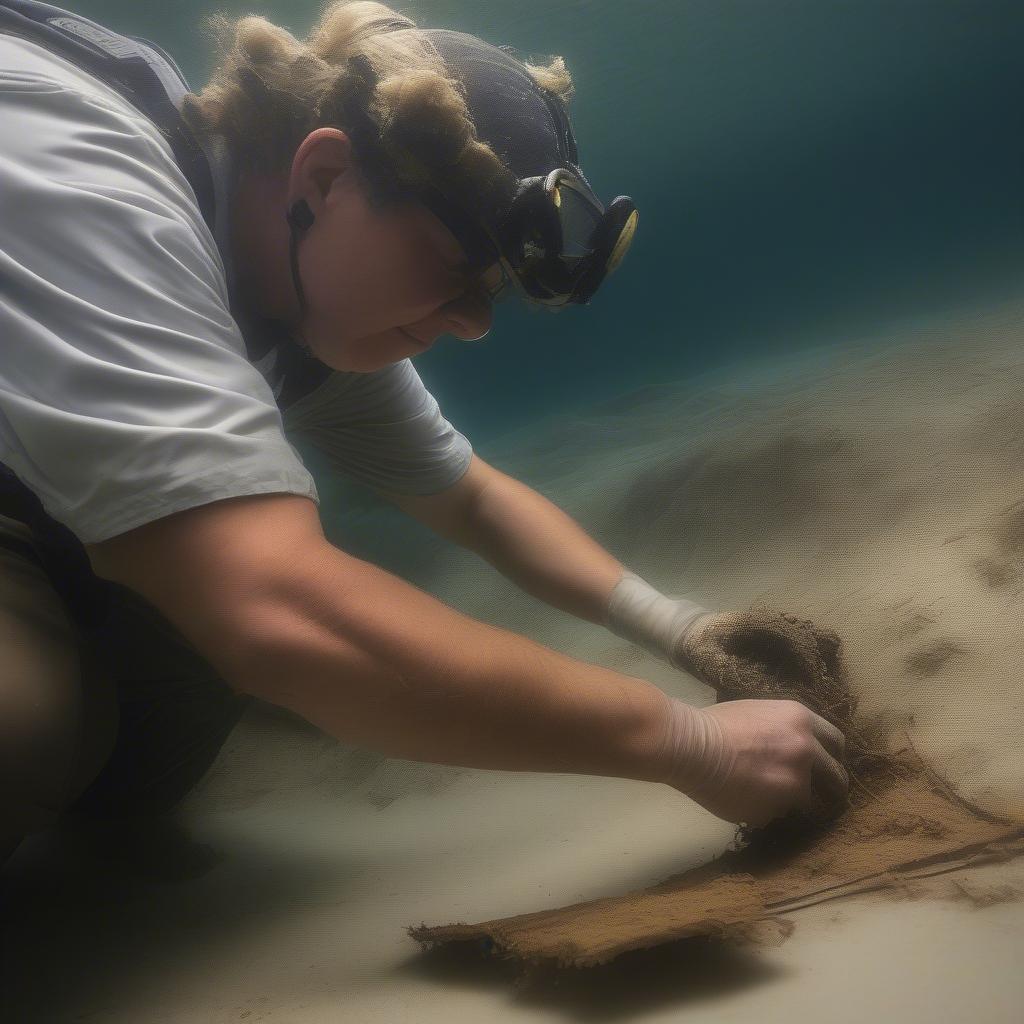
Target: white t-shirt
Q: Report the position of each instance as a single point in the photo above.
(125, 390)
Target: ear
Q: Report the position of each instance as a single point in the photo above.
(323, 155)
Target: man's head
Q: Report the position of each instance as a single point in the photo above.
(381, 281)
(418, 170)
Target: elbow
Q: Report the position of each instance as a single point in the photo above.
(298, 654)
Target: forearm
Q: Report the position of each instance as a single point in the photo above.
(541, 549)
(534, 543)
(376, 662)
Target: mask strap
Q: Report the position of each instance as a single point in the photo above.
(481, 250)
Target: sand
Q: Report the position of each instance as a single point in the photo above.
(911, 826)
(873, 487)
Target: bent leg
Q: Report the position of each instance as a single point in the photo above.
(175, 711)
(58, 715)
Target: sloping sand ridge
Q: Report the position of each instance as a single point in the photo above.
(899, 496)
(872, 486)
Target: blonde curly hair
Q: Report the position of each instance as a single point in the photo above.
(270, 90)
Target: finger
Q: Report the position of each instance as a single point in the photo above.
(712, 666)
(830, 647)
(763, 641)
(829, 736)
(734, 676)
(830, 779)
(731, 678)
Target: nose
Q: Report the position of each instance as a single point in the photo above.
(469, 317)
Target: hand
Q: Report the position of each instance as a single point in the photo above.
(751, 761)
(767, 653)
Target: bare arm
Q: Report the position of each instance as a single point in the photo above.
(744, 760)
(286, 616)
(526, 537)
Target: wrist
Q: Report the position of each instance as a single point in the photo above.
(692, 747)
(637, 612)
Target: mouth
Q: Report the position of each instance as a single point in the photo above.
(412, 337)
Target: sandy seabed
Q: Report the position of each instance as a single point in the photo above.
(873, 486)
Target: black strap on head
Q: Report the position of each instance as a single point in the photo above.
(480, 247)
(300, 218)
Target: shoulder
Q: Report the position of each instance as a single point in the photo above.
(94, 202)
(38, 82)
(61, 126)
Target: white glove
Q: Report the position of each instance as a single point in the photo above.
(743, 760)
(755, 760)
(639, 613)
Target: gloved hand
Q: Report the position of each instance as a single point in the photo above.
(767, 653)
(757, 653)
(767, 749)
(751, 761)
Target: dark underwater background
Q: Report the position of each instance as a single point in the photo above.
(803, 169)
(803, 388)
(810, 174)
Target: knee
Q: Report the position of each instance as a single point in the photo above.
(58, 725)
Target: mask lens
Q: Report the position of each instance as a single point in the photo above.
(579, 219)
(556, 279)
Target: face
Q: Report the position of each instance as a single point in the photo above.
(383, 284)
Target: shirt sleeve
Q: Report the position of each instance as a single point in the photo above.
(125, 391)
(384, 429)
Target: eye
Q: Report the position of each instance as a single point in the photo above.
(459, 284)
(487, 286)
(494, 279)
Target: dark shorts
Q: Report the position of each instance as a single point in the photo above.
(175, 712)
(145, 712)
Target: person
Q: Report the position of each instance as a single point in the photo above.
(184, 277)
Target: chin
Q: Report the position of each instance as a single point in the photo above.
(368, 362)
(374, 352)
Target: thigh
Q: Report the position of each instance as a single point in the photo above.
(175, 710)
(58, 715)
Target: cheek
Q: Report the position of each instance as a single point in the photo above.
(341, 276)
(383, 278)
(410, 273)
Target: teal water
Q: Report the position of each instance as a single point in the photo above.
(809, 173)
(803, 170)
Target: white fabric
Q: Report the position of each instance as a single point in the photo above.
(125, 389)
(641, 614)
(382, 428)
